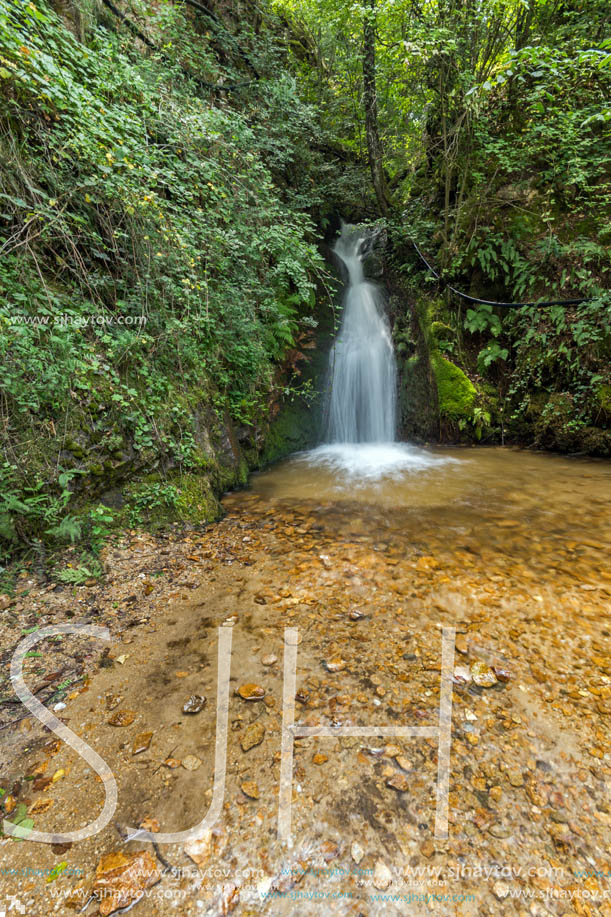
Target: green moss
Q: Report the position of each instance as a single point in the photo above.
(293, 429)
(441, 332)
(603, 397)
(456, 394)
(196, 501)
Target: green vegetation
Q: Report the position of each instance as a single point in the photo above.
(156, 268)
(166, 180)
(493, 140)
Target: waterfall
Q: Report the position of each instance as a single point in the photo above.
(361, 406)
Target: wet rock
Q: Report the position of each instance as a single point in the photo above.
(172, 763)
(462, 675)
(356, 615)
(382, 876)
(251, 692)
(503, 675)
(501, 890)
(515, 778)
(253, 735)
(121, 878)
(391, 751)
(498, 830)
(482, 675)
(191, 763)
(199, 850)
(356, 852)
(320, 758)
(194, 704)
(399, 782)
(336, 664)
(141, 742)
(250, 789)
(303, 696)
(122, 718)
(427, 849)
(460, 644)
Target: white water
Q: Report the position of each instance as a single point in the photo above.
(362, 367)
(362, 463)
(362, 388)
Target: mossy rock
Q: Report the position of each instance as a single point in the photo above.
(456, 394)
(603, 402)
(197, 501)
(442, 333)
(294, 429)
(417, 406)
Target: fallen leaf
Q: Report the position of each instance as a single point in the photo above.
(141, 742)
(122, 718)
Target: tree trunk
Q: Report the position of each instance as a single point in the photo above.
(374, 145)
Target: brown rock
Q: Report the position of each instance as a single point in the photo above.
(121, 878)
(251, 692)
(253, 735)
(141, 742)
(122, 718)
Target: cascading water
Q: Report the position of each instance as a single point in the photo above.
(360, 427)
(362, 369)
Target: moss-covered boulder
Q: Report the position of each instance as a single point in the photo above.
(456, 394)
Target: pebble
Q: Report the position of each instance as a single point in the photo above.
(462, 675)
(253, 735)
(356, 852)
(398, 782)
(515, 778)
(269, 660)
(122, 718)
(191, 763)
(251, 692)
(482, 675)
(382, 876)
(498, 830)
(427, 849)
(336, 664)
(141, 742)
(501, 890)
(194, 704)
(250, 789)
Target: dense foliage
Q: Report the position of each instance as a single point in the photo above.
(153, 254)
(494, 129)
(166, 171)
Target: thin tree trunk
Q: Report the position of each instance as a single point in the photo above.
(374, 145)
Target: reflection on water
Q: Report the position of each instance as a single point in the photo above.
(502, 481)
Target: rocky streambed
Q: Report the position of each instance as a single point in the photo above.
(508, 549)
